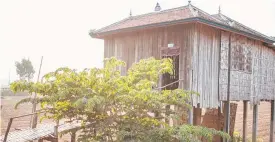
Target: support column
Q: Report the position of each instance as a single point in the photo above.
(191, 110)
(220, 120)
(227, 117)
(190, 115)
(73, 136)
(244, 121)
(55, 139)
(167, 114)
(255, 123)
(8, 130)
(227, 102)
(271, 137)
(197, 116)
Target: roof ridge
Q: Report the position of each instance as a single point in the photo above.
(245, 26)
(176, 8)
(189, 11)
(223, 17)
(193, 11)
(162, 11)
(141, 15)
(205, 13)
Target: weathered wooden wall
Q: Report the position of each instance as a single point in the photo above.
(131, 47)
(204, 61)
(263, 73)
(205, 65)
(241, 67)
(252, 69)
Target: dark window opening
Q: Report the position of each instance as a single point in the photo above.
(170, 78)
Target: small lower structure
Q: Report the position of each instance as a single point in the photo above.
(42, 132)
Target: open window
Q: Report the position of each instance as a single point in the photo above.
(169, 80)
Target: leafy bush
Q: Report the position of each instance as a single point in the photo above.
(238, 138)
(116, 107)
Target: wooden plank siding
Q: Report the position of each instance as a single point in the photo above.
(263, 73)
(204, 61)
(241, 55)
(132, 47)
(205, 65)
(252, 72)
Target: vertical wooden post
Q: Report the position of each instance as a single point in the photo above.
(8, 130)
(55, 139)
(220, 120)
(227, 102)
(167, 114)
(190, 116)
(156, 114)
(227, 118)
(56, 131)
(191, 110)
(244, 121)
(73, 136)
(34, 117)
(255, 123)
(271, 139)
(197, 116)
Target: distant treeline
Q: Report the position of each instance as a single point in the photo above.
(5, 91)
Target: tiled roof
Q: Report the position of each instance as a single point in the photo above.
(176, 14)
(150, 18)
(237, 25)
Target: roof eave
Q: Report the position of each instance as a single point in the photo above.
(272, 46)
(93, 34)
(101, 35)
(232, 29)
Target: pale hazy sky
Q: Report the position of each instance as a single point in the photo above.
(58, 29)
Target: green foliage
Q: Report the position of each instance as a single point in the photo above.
(25, 100)
(238, 138)
(116, 107)
(24, 69)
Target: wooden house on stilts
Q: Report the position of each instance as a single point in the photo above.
(214, 55)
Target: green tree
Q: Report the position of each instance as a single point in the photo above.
(113, 107)
(24, 69)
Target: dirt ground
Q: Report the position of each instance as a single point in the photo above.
(8, 111)
(264, 110)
